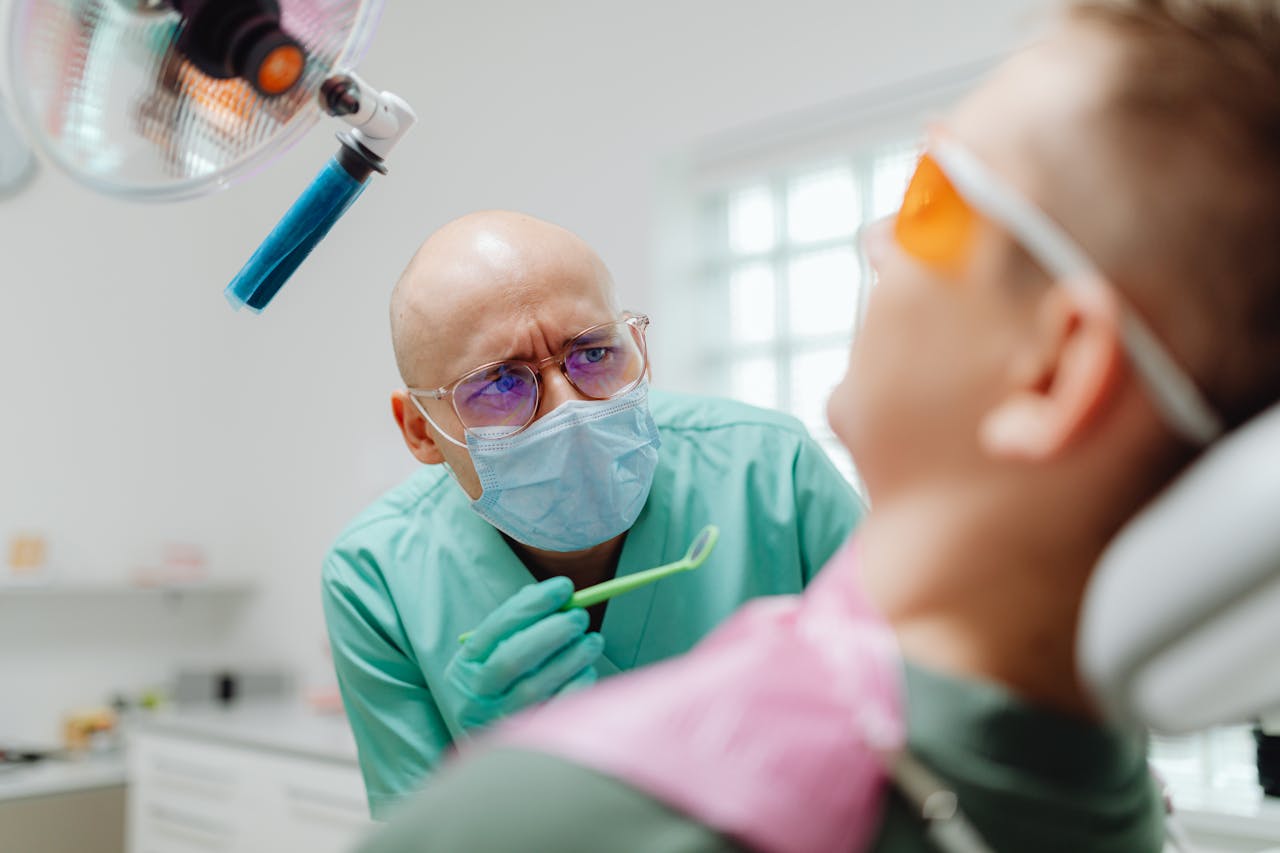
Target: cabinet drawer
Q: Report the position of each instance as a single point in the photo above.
(206, 797)
(305, 800)
(322, 806)
(162, 828)
(202, 770)
(185, 796)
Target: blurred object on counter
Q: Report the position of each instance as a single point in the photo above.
(132, 707)
(90, 730)
(152, 700)
(325, 700)
(11, 756)
(226, 686)
(180, 563)
(27, 554)
(101, 728)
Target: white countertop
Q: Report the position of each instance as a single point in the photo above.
(1242, 813)
(51, 777)
(287, 728)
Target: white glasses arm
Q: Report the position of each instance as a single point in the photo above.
(1176, 395)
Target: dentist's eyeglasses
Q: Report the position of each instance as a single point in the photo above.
(500, 399)
(952, 188)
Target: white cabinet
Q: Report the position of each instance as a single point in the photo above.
(189, 796)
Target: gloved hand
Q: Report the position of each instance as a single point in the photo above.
(524, 652)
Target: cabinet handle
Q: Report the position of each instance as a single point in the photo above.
(186, 838)
(197, 772)
(323, 799)
(192, 823)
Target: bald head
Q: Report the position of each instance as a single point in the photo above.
(494, 285)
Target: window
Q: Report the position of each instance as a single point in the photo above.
(786, 281)
(760, 280)
(1213, 770)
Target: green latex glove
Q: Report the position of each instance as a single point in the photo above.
(524, 652)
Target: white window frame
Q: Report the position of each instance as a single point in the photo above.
(691, 347)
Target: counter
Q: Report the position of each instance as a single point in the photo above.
(284, 728)
(52, 777)
(288, 729)
(1242, 820)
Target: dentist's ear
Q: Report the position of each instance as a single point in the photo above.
(418, 437)
(1065, 380)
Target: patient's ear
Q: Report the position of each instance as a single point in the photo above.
(413, 426)
(1064, 379)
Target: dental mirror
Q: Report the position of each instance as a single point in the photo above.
(695, 556)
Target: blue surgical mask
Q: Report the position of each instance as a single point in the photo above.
(577, 477)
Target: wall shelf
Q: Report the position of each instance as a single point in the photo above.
(55, 591)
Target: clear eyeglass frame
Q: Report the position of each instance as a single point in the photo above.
(636, 323)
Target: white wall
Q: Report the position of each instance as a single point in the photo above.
(136, 409)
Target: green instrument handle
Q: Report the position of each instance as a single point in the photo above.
(593, 595)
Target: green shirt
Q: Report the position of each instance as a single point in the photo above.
(1030, 780)
(419, 567)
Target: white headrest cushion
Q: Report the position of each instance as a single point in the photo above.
(1181, 623)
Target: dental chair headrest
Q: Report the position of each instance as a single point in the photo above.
(1181, 622)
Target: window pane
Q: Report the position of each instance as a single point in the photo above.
(889, 179)
(840, 457)
(813, 375)
(751, 304)
(751, 221)
(1180, 760)
(1235, 754)
(824, 292)
(755, 381)
(822, 206)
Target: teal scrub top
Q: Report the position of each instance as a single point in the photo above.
(419, 567)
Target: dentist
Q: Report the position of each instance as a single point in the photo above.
(549, 466)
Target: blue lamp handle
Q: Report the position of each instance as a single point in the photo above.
(304, 225)
(378, 121)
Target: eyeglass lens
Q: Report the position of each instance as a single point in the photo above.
(503, 398)
(935, 225)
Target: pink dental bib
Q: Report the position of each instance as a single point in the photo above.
(772, 731)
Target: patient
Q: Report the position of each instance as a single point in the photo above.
(1016, 396)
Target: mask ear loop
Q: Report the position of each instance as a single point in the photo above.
(435, 425)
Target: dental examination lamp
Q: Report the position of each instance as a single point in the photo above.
(170, 99)
(1181, 624)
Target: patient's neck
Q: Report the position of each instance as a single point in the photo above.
(976, 591)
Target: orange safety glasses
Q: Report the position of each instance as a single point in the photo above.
(935, 225)
(951, 189)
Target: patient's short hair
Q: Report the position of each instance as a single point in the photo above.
(1192, 114)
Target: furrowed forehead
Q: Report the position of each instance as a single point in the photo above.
(447, 331)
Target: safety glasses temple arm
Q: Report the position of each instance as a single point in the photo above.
(1176, 395)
